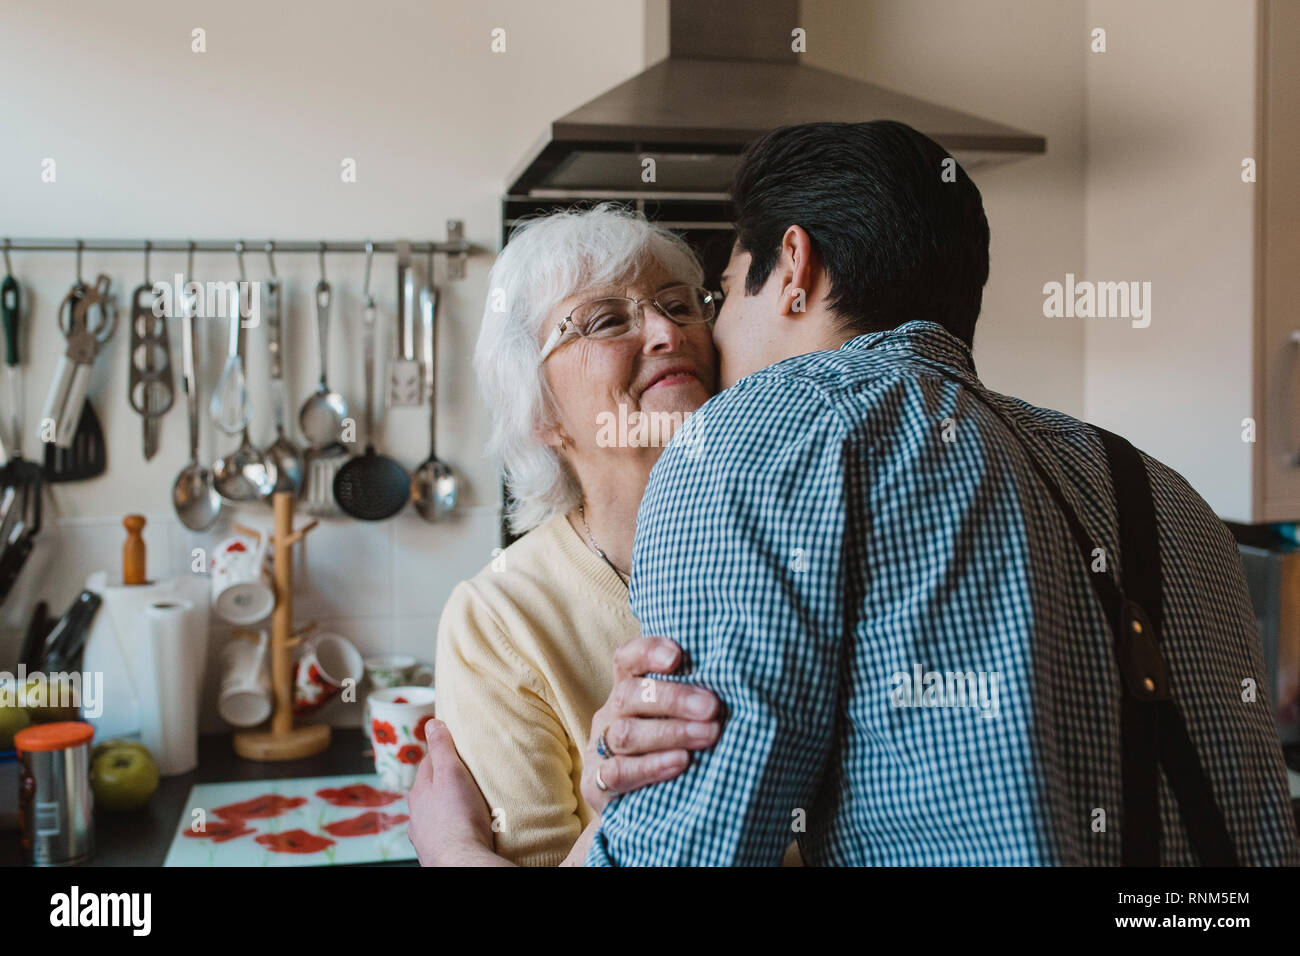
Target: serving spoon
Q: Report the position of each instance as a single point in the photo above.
(195, 499)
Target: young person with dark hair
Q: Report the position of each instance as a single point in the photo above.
(948, 627)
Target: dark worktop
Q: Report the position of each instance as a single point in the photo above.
(143, 838)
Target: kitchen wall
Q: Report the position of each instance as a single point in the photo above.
(1020, 63)
(247, 140)
(1166, 205)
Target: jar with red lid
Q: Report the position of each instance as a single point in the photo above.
(55, 804)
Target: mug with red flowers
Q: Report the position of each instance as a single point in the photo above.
(396, 718)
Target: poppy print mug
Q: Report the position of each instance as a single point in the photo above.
(242, 589)
(396, 719)
(327, 663)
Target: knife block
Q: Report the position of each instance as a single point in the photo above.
(283, 741)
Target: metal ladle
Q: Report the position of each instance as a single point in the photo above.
(434, 484)
(282, 454)
(321, 416)
(193, 495)
(243, 475)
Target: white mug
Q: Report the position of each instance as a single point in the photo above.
(323, 669)
(245, 698)
(397, 716)
(242, 589)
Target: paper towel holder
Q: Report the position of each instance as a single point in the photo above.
(283, 741)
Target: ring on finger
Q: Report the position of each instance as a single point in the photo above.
(602, 746)
(600, 782)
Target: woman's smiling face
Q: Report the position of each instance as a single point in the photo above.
(662, 369)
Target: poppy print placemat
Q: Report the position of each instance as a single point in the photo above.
(307, 821)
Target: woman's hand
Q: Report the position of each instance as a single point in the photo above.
(450, 824)
(650, 727)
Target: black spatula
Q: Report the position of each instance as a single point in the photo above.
(85, 458)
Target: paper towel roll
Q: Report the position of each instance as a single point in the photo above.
(116, 644)
(169, 701)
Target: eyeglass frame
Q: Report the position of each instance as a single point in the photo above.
(553, 341)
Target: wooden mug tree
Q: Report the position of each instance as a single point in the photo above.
(283, 741)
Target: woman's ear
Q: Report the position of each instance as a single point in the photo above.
(553, 435)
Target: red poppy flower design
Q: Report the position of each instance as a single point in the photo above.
(357, 795)
(400, 700)
(221, 831)
(410, 753)
(314, 675)
(383, 731)
(368, 824)
(294, 841)
(236, 546)
(259, 808)
(419, 727)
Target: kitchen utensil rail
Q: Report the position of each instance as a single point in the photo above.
(456, 247)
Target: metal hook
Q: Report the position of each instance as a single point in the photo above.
(322, 262)
(147, 246)
(370, 255)
(239, 254)
(429, 265)
(80, 246)
(189, 260)
(270, 256)
(9, 269)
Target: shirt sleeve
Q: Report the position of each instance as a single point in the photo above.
(507, 733)
(738, 559)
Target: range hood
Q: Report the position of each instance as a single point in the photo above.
(730, 77)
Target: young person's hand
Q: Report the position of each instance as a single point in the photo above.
(649, 727)
(450, 824)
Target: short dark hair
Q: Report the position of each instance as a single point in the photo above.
(898, 241)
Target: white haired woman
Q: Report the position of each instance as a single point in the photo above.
(596, 329)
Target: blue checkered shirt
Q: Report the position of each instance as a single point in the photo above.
(857, 557)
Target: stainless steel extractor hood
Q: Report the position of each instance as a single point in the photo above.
(730, 77)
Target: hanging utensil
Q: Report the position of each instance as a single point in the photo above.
(150, 389)
(371, 487)
(78, 450)
(195, 499)
(9, 307)
(434, 484)
(404, 370)
(320, 465)
(85, 338)
(321, 417)
(282, 454)
(229, 405)
(242, 475)
(18, 472)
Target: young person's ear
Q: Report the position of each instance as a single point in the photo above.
(798, 268)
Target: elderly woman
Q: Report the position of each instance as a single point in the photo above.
(596, 340)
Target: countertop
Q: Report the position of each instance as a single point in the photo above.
(143, 838)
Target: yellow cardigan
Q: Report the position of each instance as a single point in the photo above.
(524, 659)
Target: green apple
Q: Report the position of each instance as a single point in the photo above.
(123, 777)
(44, 712)
(114, 743)
(12, 719)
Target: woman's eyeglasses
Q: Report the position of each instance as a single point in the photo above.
(618, 316)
